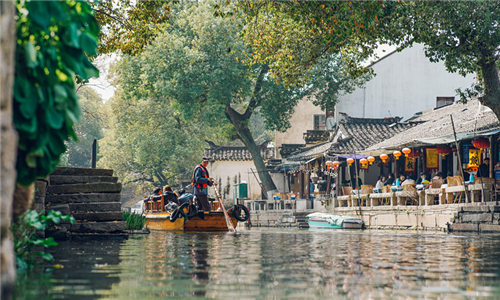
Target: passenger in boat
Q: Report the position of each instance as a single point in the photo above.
(201, 181)
(169, 195)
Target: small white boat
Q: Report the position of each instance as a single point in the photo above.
(322, 220)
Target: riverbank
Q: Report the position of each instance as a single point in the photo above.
(476, 217)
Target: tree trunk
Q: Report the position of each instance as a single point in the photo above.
(8, 144)
(245, 135)
(491, 79)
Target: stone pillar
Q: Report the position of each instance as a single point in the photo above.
(8, 146)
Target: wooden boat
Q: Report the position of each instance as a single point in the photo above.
(159, 219)
(322, 220)
(212, 221)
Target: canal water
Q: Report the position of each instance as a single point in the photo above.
(273, 263)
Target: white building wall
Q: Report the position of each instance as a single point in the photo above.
(406, 82)
(221, 170)
(301, 120)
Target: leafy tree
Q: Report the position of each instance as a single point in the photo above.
(53, 39)
(463, 34)
(292, 36)
(79, 154)
(198, 64)
(145, 139)
(129, 26)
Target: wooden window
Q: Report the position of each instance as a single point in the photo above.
(319, 122)
(442, 101)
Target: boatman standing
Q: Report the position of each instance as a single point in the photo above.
(201, 182)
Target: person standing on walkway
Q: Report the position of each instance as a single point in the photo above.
(201, 181)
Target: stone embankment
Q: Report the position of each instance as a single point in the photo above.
(484, 218)
(91, 196)
(476, 217)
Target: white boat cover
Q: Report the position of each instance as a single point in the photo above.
(335, 220)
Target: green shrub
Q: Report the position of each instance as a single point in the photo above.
(24, 229)
(134, 221)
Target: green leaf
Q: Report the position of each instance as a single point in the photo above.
(31, 161)
(88, 43)
(60, 93)
(54, 216)
(22, 89)
(27, 125)
(39, 13)
(45, 256)
(56, 10)
(30, 55)
(28, 109)
(53, 118)
(71, 36)
(90, 70)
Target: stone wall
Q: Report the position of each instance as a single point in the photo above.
(484, 218)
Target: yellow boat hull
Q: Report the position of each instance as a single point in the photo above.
(212, 221)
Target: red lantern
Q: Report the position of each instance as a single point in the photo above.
(481, 143)
(328, 164)
(406, 151)
(384, 157)
(443, 150)
(336, 164)
(414, 154)
(371, 159)
(396, 154)
(350, 161)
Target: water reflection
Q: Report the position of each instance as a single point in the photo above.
(284, 264)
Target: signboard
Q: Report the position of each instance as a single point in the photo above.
(409, 164)
(431, 161)
(465, 150)
(474, 159)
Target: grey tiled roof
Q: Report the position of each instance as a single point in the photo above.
(361, 133)
(469, 117)
(237, 152)
(355, 134)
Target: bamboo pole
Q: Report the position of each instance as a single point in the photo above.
(459, 158)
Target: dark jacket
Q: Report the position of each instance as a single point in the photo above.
(200, 180)
(484, 170)
(389, 181)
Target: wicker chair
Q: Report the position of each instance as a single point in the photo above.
(455, 191)
(433, 191)
(408, 196)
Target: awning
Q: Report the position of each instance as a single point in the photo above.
(357, 156)
(451, 138)
(419, 142)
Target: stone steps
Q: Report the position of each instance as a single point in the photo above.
(101, 187)
(99, 216)
(92, 197)
(95, 207)
(69, 171)
(98, 227)
(62, 179)
(83, 198)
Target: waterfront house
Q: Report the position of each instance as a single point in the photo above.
(232, 165)
(406, 82)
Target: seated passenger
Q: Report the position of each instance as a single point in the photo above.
(169, 195)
